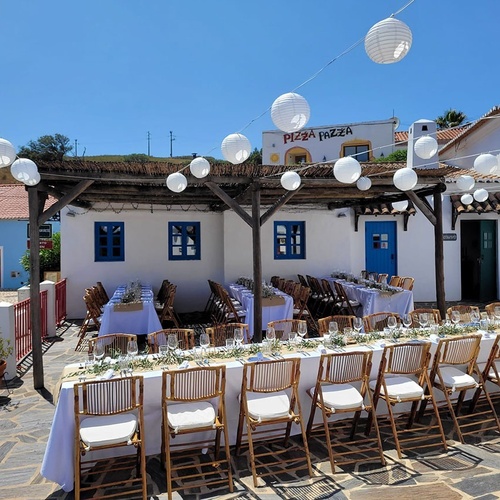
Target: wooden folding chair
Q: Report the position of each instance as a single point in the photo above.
(92, 321)
(376, 322)
(342, 391)
(493, 311)
(109, 414)
(269, 398)
(193, 402)
(382, 278)
(168, 312)
(283, 327)
(347, 306)
(219, 333)
(433, 315)
(343, 321)
(395, 281)
(185, 338)
(403, 378)
(407, 283)
(114, 343)
(454, 372)
(464, 311)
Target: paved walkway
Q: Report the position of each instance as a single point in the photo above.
(466, 471)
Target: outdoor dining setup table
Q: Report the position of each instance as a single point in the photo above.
(131, 309)
(376, 297)
(58, 460)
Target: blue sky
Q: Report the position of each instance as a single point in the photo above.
(107, 72)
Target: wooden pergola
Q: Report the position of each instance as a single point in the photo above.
(82, 183)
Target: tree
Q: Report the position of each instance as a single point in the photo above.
(398, 155)
(46, 147)
(136, 158)
(255, 157)
(451, 118)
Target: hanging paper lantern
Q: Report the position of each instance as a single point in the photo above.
(23, 169)
(347, 170)
(400, 205)
(364, 183)
(486, 164)
(290, 181)
(388, 41)
(425, 147)
(480, 195)
(235, 148)
(466, 199)
(199, 167)
(176, 182)
(465, 183)
(290, 112)
(33, 181)
(7, 153)
(405, 179)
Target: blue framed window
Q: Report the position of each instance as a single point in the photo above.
(289, 240)
(109, 241)
(184, 241)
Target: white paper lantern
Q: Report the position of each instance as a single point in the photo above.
(400, 205)
(23, 169)
(7, 153)
(425, 147)
(466, 199)
(388, 41)
(364, 183)
(465, 183)
(33, 181)
(405, 179)
(199, 167)
(480, 195)
(347, 170)
(290, 181)
(290, 112)
(176, 182)
(236, 148)
(486, 164)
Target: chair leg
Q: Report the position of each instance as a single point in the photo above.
(6, 384)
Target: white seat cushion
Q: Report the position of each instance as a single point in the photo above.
(400, 388)
(267, 406)
(455, 378)
(341, 396)
(108, 429)
(191, 415)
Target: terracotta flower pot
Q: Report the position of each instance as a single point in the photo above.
(3, 366)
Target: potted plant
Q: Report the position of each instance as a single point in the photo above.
(5, 351)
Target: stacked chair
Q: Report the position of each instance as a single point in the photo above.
(221, 307)
(95, 298)
(166, 311)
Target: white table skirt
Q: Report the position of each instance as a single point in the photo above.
(269, 313)
(58, 460)
(373, 300)
(139, 322)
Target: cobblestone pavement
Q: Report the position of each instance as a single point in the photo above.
(464, 472)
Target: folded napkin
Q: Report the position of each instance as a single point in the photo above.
(321, 349)
(108, 374)
(258, 357)
(184, 364)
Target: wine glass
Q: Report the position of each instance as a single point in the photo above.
(333, 328)
(204, 341)
(423, 319)
(455, 317)
(392, 325)
(358, 324)
(98, 351)
(496, 313)
(271, 334)
(302, 329)
(238, 336)
(407, 321)
(132, 348)
(474, 317)
(172, 341)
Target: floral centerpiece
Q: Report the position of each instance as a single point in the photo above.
(133, 292)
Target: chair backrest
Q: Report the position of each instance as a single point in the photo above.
(492, 367)
(194, 384)
(283, 327)
(114, 343)
(433, 315)
(345, 368)
(271, 376)
(382, 277)
(378, 321)
(219, 333)
(343, 321)
(464, 310)
(342, 296)
(395, 281)
(102, 292)
(162, 292)
(490, 310)
(300, 301)
(108, 397)
(458, 351)
(407, 283)
(302, 280)
(185, 338)
(405, 359)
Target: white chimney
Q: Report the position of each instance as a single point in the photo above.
(418, 129)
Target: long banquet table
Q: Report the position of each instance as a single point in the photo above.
(373, 300)
(58, 460)
(139, 318)
(269, 313)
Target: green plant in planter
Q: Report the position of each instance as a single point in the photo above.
(5, 348)
(50, 258)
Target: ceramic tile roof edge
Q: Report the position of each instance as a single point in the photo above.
(11, 195)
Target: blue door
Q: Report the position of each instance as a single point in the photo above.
(380, 247)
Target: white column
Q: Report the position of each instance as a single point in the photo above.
(50, 286)
(7, 331)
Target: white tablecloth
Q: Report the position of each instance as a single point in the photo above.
(373, 300)
(58, 460)
(269, 313)
(139, 322)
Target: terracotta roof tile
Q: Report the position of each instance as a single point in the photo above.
(14, 202)
(443, 136)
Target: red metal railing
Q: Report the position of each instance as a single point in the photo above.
(22, 325)
(60, 302)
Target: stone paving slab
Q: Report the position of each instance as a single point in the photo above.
(465, 472)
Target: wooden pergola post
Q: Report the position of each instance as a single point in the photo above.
(257, 263)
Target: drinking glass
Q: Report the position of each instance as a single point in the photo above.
(238, 336)
(132, 348)
(230, 344)
(474, 317)
(271, 334)
(302, 329)
(204, 341)
(333, 328)
(98, 351)
(392, 323)
(423, 319)
(347, 334)
(172, 341)
(163, 350)
(496, 313)
(407, 320)
(358, 324)
(455, 317)
(292, 338)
